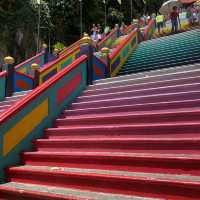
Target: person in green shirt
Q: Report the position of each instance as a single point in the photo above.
(160, 22)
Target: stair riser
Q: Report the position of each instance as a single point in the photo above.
(61, 133)
(120, 146)
(140, 164)
(131, 108)
(174, 117)
(133, 93)
(137, 100)
(130, 81)
(153, 67)
(192, 80)
(107, 183)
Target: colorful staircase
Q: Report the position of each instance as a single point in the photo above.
(170, 51)
(133, 137)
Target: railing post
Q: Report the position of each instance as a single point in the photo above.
(46, 53)
(105, 51)
(86, 48)
(10, 68)
(36, 74)
(56, 53)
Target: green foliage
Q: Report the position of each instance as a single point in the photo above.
(60, 46)
(60, 21)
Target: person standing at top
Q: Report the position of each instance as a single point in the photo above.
(159, 22)
(94, 32)
(175, 20)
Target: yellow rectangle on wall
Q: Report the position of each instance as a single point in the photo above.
(16, 134)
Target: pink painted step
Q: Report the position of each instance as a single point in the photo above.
(148, 78)
(120, 144)
(142, 86)
(125, 129)
(144, 92)
(134, 107)
(174, 115)
(139, 99)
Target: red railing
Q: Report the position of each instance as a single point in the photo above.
(28, 60)
(120, 46)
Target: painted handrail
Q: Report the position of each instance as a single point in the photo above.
(129, 29)
(149, 29)
(2, 85)
(104, 41)
(27, 119)
(120, 46)
(70, 48)
(119, 56)
(25, 67)
(55, 66)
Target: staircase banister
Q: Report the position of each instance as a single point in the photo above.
(49, 65)
(120, 46)
(28, 60)
(107, 37)
(39, 90)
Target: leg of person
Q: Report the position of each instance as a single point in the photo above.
(176, 26)
(173, 28)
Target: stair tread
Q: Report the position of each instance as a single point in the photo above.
(118, 154)
(133, 113)
(183, 178)
(133, 105)
(113, 126)
(73, 193)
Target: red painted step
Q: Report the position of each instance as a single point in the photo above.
(135, 162)
(135, 107)
(139, 99)
(7, 193)
(130, 117)
(123, 130)
(142, 92)
(142, 86)
(126, 80)
(105, 181)
(120, 144)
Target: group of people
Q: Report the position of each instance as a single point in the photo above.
(192, 14)
(98, 34)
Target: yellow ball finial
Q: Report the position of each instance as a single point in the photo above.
(44, 46)
(56, 51)
(85, 35)
(35, 66)
(105, 50)
(9, 60)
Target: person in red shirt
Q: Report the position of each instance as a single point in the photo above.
(174, 16)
